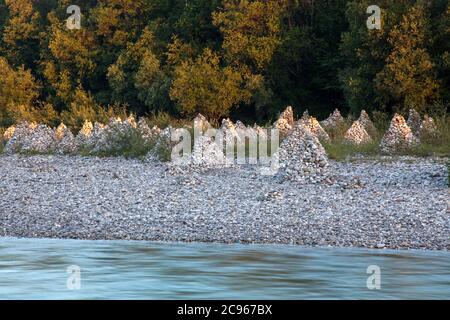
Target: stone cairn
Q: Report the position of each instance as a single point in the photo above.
(414, 122)
(301, 157)
(368, 125)
(40, 141)
(398, 137)
(428, 128)
(313, 126)
(82, 138)
(285, 122)
(20, 135)
(65, 140)
(357, 135)
(333, 121)
(8, 133)
(229, 132)
(422, 129)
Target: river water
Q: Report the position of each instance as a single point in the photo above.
(38, 269)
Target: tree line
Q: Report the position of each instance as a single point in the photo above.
(246, 59)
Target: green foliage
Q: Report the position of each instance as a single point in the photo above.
(129, 144)
(341, 151)
(203, 86)
(408, 76)
(18, 90)
(246, 59)
(163, 120)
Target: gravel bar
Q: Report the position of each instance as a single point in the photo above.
(384, 203)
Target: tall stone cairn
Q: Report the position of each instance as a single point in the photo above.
(285, 122)
(334, 120)
(398, 137)
(201, 123)
(428, 128)
(301, 157)
(83, 135)
(21, 133)
(41, 140)
(8, 133)
(207, 153)
(229, 132)
(357, 135)
(65, 140)
(311, 123)
(368, 125)
(414, 122)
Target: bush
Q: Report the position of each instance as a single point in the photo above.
(129, 144)
(339, 150)
(163, 120)
(436, 144)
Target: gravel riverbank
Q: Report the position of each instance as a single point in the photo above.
(383, 203)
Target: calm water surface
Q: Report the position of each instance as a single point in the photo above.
(37, 269)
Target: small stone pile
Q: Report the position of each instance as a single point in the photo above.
(144, 130)
(398, 137)
(357, 135)
(301, 157)
(260, 132)
(163, 143)
(98, 141)
(201, 124)
(428, 128)
(65, 140)
(285, 122)
(314, 126)
(368, 125)
(414, 122)
(8, 133)
(333, 121)
(230, 134)
(42, 140)
(19, 137)
(207, 153)
(84, 134)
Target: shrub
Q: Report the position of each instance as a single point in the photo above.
(164, 120)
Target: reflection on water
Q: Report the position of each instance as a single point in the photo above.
(36, 269)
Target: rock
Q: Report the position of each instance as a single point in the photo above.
(314, 126)
(301, 156)
(414, 122)
(41, 140)
(260, 132)
(206, 154)
(333, 121)
(144, 130)
(285, 122)
(83, 135)
(398, 137)
(357, 134)
(8, 133)
(99, 140)
(201, 124)
(229, 132)
(163, 144)
(368, 125)
(65, 140)
(21, 133)
(428, 129)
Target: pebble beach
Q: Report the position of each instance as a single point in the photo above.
(397, 203)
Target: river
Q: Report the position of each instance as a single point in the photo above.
(38, 269)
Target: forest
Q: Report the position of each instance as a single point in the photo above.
(244, 59)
